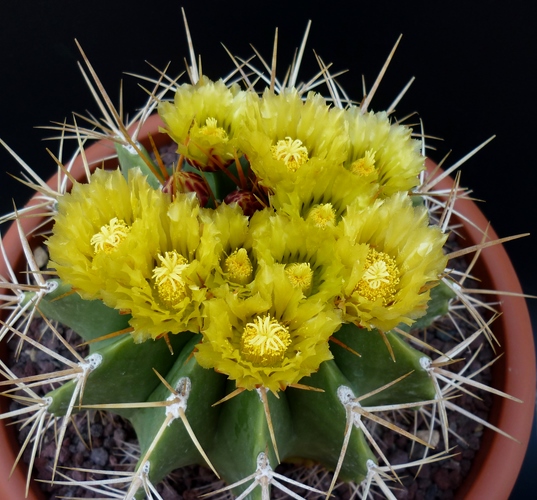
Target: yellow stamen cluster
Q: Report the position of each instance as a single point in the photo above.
(169, 282)
(110, 236)
(300, 275)
(238, 266)
(323, 215)
(292, 152)
(380, 278)
(211, 128)
(264, 341)
(364, 166)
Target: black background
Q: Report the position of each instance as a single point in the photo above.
(474, 64)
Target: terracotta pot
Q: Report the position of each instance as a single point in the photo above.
(499, 459)
(497, 464)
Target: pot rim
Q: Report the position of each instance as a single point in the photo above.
(498, 461)
(498, 457)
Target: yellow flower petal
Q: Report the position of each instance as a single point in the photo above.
(281, 138)
(204, 119)
(272, 338)
(306, 251)
(391, 254)
(382, 151)
(164, 291)
(94, 225)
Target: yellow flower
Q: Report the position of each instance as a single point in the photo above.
(165, 290)
(238, 266)
(271, 339)
(110, 236)
(227, 228)
(306, 251)
(322, 215)
(365, 166)
(380, 278)
(94, 226)
(168, 279)
(300, 274)
(291, 152)
(282, 138)
(382, 152)
(322, 197)
(264, 341)
(203, 120)
(393, 257)
(322, 193)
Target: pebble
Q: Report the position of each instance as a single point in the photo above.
(99, 456)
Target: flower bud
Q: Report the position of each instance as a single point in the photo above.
(188, 182)
(245, 199)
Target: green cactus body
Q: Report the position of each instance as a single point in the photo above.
(376, 368)
(309, 425)
(320, 423)
(91, 319)
(271, 329)
(122, 359)
(130, 158)
(174, 447)
(243, 434)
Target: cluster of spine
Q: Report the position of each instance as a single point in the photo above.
(252, 300)
(269, 267)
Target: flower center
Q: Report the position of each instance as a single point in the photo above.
(364, 166)
(169, 282)
(300, 275)
(211, 128)
(380, 278)
(264, 341)
(238, 266)
(291, 152)
(110, 236)
(322, 215)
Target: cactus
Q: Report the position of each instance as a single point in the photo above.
(257, 300)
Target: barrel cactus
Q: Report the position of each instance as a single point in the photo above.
(254, 302)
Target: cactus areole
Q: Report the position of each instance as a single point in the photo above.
(258, 299)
